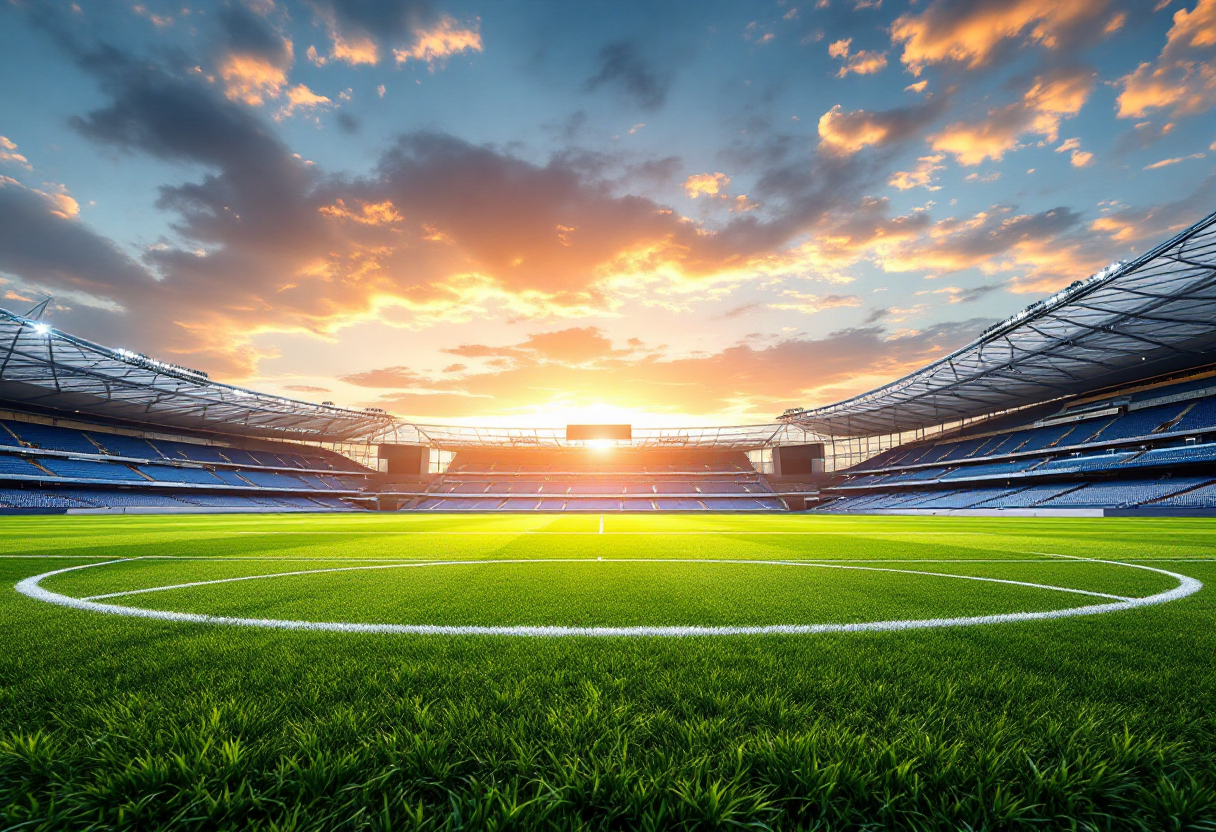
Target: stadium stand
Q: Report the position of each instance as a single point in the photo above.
(624, 480)
(1099, 459)
(47, 467)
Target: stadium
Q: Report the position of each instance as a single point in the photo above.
(449, 415)
(1070, 441)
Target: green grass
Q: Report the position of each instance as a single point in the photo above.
(1105, 722)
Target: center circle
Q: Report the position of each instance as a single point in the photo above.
(602, 597)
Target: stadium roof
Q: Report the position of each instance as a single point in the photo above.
(42, 367)
(1148, 316)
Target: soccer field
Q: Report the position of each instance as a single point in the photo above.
(401, 671)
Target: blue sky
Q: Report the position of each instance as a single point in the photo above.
(535, 212)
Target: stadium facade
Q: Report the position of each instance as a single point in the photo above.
(1098, 399)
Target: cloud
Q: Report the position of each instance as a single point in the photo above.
(251, 80)
(1143, 135)
(359, 28)
(442, 230)
(748, 382)
(1039, 252)
(386, 378)
(1051, 98)
(954, 294)
(1173, 161)
(845, 133)
(381, 213)
(1182, 79)
(574, 347)
(442, 40)
(439, 230)
(921, 176)
(623, 67)
(361, 31)
(301, 97)
(1079, 158)
(44, 244)
(10, 156)
(741, 205)
(254, 58)
(158, 20)
(860, 63)
(1126, 225)
(973, 32)
(740, 311)
(707, 184)
(809, 304)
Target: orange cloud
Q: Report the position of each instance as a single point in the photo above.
(1050, 99)
(351, 45)
(10, 156)
(379, 213)
(742, 205)
(1167, 162)
(921, 177)
(860, 63)
(64, 206)
(252, 78)
(864, 63)
(1182, 78)
(1036, 252)
(157, 20)
(706, 184)
(971, 144)
(741, 382)
(353, 50)
(1117, 228)
(844, 133)
(971, 33)
(301, 97)
(443, 39)
(810, 304)
(1079, 158)
(849, 132)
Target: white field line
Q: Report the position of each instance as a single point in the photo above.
(1186, 586)
(657, 532)
(65, 557)
(1047, 559)
(406, 558)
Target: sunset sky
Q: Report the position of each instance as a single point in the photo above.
(530, 212)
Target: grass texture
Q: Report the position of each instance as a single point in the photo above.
(1105, 722)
